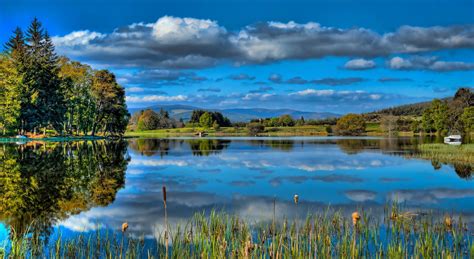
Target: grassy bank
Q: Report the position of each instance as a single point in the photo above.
(231, 131)
(50, 139)
(447, 153)
(327, 234)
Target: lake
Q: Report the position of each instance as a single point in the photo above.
(75, 187)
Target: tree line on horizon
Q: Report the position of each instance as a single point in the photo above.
(42, 92)
(440, 116)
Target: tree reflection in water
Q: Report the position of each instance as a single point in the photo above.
(392, 146)
(42, 183)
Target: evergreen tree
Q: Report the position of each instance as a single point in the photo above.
(45, 106)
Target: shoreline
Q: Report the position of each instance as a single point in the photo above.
(51, 139)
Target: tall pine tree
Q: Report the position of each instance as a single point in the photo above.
(46, 104)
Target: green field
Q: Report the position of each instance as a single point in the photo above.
(231, 131)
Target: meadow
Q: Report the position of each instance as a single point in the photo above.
(231, 131)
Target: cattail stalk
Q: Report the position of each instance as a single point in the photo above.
(273, 227)
(295, 199)
(166, 220)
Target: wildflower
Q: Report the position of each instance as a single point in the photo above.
(355, 218)
(295, 198)
(124, 227)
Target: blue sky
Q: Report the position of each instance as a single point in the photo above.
(338, 56)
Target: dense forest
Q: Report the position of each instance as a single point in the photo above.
(43, 93)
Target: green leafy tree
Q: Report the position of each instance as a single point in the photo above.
(215, 116)
(76, 86)
(286, 121)
(215, 125)
(440, 115)
(111, 115)
(427, 121)
(148, 120)
(467, 119)
(351, 124)
(206, 120)
(10, 103)
(415, 126)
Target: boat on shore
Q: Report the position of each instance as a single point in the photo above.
(453, 140)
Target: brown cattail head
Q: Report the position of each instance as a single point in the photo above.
(355, 218)
(124, 227)
(295, 198)
(393, 216)
(164, 194)
(448, 222)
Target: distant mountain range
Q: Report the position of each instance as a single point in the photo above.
(237, 115)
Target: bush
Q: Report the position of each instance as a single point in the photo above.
(350, 125)
(255, 128)
(329, 129)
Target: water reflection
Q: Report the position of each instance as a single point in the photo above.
(81, 185)
(44, 183)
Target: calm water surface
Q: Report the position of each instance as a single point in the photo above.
(79, 186)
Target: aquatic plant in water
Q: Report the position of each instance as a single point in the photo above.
(323, 234)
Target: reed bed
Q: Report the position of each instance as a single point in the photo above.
(327, 234)
(447, 153)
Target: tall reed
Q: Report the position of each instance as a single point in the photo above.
(398, 234)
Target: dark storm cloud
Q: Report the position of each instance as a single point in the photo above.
(181, 43)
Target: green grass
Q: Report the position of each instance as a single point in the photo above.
(399, 234)
(231, 131)
(373, 127)
(447, 153)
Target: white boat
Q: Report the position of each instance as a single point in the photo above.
(20, 137)
(453, 140)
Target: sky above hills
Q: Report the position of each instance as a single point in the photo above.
(338, 56)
